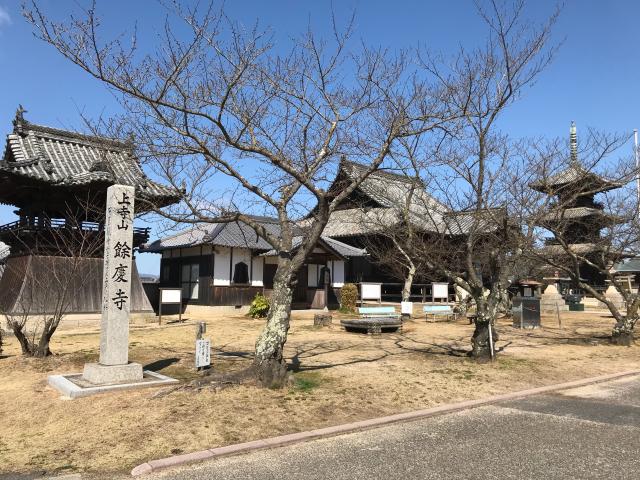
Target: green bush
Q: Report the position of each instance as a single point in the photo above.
(259, 306)
(348, 298)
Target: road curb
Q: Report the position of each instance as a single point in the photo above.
(280, 441)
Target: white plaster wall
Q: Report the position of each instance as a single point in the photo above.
(257, 272)
(221, 267)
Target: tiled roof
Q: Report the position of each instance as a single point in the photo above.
(578, 248)
(344, 249)
(390, 191)
(571, 213)
(65, 158)
(575, 173)
(464, 222)
(331, 244)
(235, 234)
(239, 234)
(629, 266)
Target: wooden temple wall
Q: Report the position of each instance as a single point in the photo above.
(35, 283)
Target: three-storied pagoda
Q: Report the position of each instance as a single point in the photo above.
(579, 218)
(57, 180)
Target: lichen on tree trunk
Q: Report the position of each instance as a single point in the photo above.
(623, 332)
(269, 363)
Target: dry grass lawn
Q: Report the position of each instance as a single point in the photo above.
(339, 377)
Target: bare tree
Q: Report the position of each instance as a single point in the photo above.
(51, 267)
(593, 224)
(480, 239)
(219, 106)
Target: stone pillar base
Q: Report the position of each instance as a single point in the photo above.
(112, 374)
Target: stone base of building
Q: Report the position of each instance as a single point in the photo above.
(98, 374)
(74, 386)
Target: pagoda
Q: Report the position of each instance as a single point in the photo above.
(58, 180)
(579, 218)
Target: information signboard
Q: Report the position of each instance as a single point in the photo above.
(203, 352)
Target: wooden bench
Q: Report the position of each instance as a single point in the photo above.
(439, 311)
(373, 312)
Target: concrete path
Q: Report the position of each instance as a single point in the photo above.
(590, 432)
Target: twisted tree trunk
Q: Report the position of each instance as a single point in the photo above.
(480, 345)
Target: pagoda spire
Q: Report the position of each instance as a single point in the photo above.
(573, 140)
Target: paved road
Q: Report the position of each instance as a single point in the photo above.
(584, 433)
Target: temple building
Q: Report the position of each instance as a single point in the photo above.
(579, 219)
(227, 264)
(57, 180)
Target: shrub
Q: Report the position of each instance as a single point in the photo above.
(259, 306)
(348, 298)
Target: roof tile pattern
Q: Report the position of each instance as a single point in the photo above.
(394, 193)
(65, 158)
(237, 235)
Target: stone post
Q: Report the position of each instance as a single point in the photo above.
(114, 366)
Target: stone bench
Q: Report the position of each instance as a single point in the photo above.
(372, 325)
(439, 311)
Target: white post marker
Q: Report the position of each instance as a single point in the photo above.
(114, 366)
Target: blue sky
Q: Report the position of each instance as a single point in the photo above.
(592, 81)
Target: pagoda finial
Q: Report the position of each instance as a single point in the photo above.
(573, 138)
(19, 121)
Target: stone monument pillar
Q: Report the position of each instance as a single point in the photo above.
(114, 366)
(551, 301)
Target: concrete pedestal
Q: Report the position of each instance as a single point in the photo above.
(551, 301)
(99, 374)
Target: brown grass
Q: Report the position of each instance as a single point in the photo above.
(339, 377)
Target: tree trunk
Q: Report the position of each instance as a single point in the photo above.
(18, 332)
(481, 347)
(408, 282)
(42, 350)
(623, 332)
(270, 366)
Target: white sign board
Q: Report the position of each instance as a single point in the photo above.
(406, 308)
(170, 295)
(440, 290)
(203, 352)
(371, 291)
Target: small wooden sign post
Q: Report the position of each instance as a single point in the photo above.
(170, 296)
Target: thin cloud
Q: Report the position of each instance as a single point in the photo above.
(5, 18)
